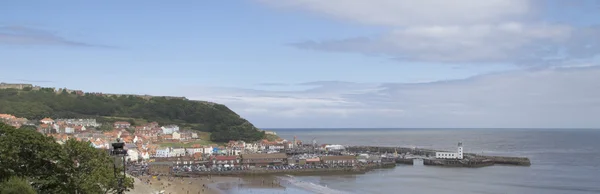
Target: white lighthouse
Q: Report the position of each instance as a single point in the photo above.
(451, 155)
(460, 151)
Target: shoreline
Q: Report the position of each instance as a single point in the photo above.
(182, 185)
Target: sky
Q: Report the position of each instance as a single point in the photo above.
(324, 64)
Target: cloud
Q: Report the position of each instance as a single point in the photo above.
(20, 35)
(551, 97)
(409, 12)
(462, 31)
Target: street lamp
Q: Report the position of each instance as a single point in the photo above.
(118, 151)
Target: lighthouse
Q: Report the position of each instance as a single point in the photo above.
(460, 151)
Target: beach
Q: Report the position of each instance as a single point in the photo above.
(184, 185)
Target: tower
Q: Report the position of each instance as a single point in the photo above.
(460, 151)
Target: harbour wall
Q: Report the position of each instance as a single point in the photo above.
(474, 160)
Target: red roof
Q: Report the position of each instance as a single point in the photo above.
(47, 119)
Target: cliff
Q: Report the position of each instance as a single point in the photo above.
(223, 123)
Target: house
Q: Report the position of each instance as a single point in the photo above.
(208, 150)
(80, 128)
(169, 129)
(270, 133)
(163, 153)
(195, 136)
(69, 130)
(175, 152)
(122, 124)
(7, 117)
(80, 122)
(47, 121)
(275, 159)
(339, 160)
(252, 147)
(176, 135)
(145, 155)
(132, 155)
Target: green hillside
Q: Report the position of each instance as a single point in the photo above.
(223, 123)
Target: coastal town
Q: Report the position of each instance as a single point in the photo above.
(157, 154)
(167, 150)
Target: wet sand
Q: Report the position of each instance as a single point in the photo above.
(183, 185)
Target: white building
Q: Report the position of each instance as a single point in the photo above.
(176, 135)
(170, 129)
(451, 155)
(175, 152)
(334, 147)
(132, 155)
(207, 150)
(69, 130)
(163, 153)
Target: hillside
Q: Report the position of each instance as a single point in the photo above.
(223, 123)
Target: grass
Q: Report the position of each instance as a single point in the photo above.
(271, 137)
(185, 144)
(204, 140)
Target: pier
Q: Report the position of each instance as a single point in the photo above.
(428, 157)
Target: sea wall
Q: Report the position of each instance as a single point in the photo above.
(517, 161)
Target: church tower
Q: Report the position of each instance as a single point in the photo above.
(460, 151)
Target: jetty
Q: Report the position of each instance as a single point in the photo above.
(428, 157)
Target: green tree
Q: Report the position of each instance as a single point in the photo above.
(15, 185)
(91, 169)
(75, 167)
(27, 153)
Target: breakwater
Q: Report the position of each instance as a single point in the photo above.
(504, 160)
(428, 156)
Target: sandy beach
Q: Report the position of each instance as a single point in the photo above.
(184, 185)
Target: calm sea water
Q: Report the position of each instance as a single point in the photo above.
(563, 161)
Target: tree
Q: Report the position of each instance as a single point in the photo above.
(30, 154)
(91, 169)
(16, 185)
(75, 167)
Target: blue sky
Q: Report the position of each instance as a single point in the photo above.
(337, 63)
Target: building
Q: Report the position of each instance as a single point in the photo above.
(451, 155)
(122, 124)
(47, 120)
(176, 135)
(225, 161)
(169, 129)
(339, 160)
(80, 122)
(270, 133)
(260, 160)
(15, 86)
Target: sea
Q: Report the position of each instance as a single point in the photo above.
(563, 161)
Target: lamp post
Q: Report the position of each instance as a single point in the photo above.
(117, 152)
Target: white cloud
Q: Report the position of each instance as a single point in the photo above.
(497, 31)
(557, 97)
(410, 12)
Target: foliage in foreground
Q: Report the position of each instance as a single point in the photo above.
(203, 116)
(74, 167)
(16, 185)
